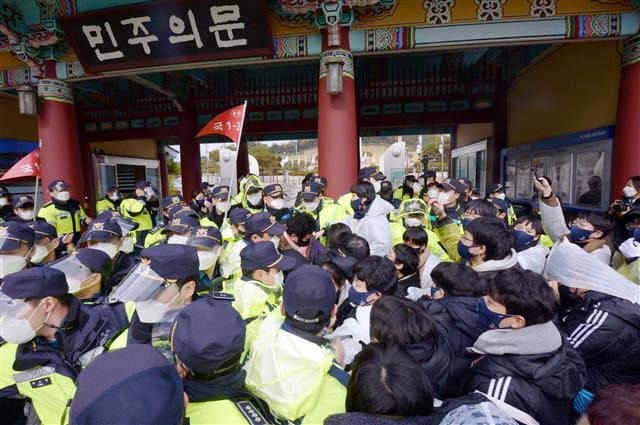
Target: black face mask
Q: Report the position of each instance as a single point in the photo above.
(302, 242)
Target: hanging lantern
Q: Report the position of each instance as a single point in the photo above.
(334, 75)
(27, 100)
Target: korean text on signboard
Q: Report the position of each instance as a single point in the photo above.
(169, 32)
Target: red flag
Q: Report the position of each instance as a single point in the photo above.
(229, 124)
(29, 166)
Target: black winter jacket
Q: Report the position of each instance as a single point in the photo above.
(541, 385)
(435, 357)
(457, 321)
(605, 330)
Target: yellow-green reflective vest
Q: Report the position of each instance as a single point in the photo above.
(136, 211)
(62, 220)
(398, 229)
(345, 202)
(121, 340)
(251, 298)
(330, 212)
(154, 237)
(49, 391)
(223, 412)
(105, 205)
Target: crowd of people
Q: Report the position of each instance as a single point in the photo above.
(421, 304)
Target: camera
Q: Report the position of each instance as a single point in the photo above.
(621, 206)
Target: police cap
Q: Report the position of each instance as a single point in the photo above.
(108, 214)
(138, 373)
(42, 229)
(22, 201)
(273, 190)
(309, 294)
(12, 234)
(205, 236)
(262, 222)
(453, 184)
(263, 255)
(220, 192)
(102, 230)
(36, 282)
(311, 190)
(142, 184)
(496, 187)
(386, 185)
(58, 185)
(4, 191)
(501, 204)
(181, 210)
(368, 172)
(204, 348)
(170, 201)
(172, 261)
(238, 215)
(180, 225)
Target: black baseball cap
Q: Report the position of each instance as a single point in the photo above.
(36, 282)
(58, 185)
(307, 291)
(22, 201)
(264, 255)
(204, 348)
(368, 172)
(12, 234)
(262, 222)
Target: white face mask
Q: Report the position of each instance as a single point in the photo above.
(376, 186)
(108, 248)
(311, 206)
(443, 198)
(207, 259)
(416, 188)
(11, 264)
(223, 206)
(114, 197)
(278, 279)
(277, 204)
(148, 192)
(63, 196)
(151, 311)
(254, 198)
(26, 215)
(127, 245)
(178, 240)
(412, 222)
(275, 240)
(629, 191)
(39, 253)
(74, 285)
(19, 331)
(433, 193)
(500, 196)
(3, 201)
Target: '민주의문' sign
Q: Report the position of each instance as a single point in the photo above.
(169, 32)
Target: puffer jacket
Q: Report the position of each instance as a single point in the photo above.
(435, 357)
(533, 369)
(374, 226)
(605, 330)
(457, 320)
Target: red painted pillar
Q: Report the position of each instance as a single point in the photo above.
(626, 146)
(337, 127)
(164, 170)
(189, 152)
(57, 128)
(242, 163)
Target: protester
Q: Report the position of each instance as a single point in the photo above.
(524, 363)
(406, 261)
(298, 240)
(369, 218)
(614, 405)
(386, 386)
(373, 278)
(418, 239)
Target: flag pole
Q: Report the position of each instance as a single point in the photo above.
(234, 178)
(35, 195)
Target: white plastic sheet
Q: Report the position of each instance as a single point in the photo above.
(572, 266)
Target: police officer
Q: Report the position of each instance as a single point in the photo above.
(136, 210)
(6, 211)
(50, 337)
(497, 190)
(146, 193)
(46, 242)
(155, 235)
(221, 206)
(230, 261)
(62, 212)
(86, 270)
(386, 193)
(273, 200)
(107, 236)
(160, 285)
(111, 200)
(147, 378)
(409, 189)
(301, 383)
(16, 247)
(208, 361)
(208, 242)
(250, 194)
(23, 209)
(323, 211)
(178, 231)
(258, 291)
